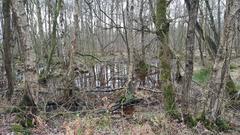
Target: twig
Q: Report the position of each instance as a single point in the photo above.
(151, 90)
(111, 90)
(89, 55)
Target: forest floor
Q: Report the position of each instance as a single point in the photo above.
(146, 118)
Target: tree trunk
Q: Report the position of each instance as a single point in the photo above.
(165, 55)
(200, 41)
(213, 44)
(53, 37)
(212, 23)
(130, 44)
(192, 6)
(219, 19)
(222, 61)
(142, 29)
(7, 38)
(41, 45)
(31, 77)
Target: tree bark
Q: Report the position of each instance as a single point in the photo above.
(222, 61)
(70, 76)
(130, 43)
(29, 56)
(192, 6)
(53, 37)
(165, 55)
(41, 45)
(7, 38)
(219, 19)
(212, 24)
(142, 29)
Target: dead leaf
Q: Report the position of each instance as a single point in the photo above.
(89, 131)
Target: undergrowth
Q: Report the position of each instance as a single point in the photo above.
(202, 76)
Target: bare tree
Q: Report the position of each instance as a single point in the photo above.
(221, 64)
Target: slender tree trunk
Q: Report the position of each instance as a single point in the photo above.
(49, 18)
(7, 38)
(53, 37)
(200, 41)
(200, 44)
(238, 42)
(42, 46)
(142, 30)
(219, 19)
(40, 22)
(222, 61)
(213, 44)
(212, 23)
(82, 26)
(192, 6)
(130, 44)
(62, 49)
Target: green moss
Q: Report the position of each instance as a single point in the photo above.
(162, 24)
(219, 125)
(222, 125)
(237, 86)
(167, 87)
(202, 76)
(207, 123)
(233, 66)
(25, 120)
(190, 121)
(231, 87)
(13, 110)
(169, 100)
(143, 66)
(162, 27)
(19, 129)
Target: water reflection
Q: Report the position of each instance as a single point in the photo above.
(113, 75)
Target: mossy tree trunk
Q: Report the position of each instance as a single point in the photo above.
(53, 37)
(165, 55)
